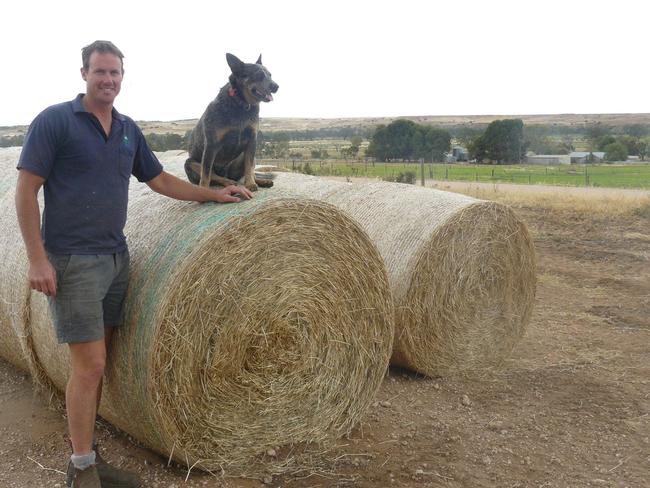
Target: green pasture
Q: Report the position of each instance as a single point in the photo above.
(597, 175)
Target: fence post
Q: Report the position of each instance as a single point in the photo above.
(422, 171)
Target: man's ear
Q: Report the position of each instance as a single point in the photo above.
(236, 65)
(259, 60)
(83, 73)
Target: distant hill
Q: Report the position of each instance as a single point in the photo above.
(272, 124)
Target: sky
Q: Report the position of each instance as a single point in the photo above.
(337, 58)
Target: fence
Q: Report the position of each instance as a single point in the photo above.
(597, 175)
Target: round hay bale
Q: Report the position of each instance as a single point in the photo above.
(13, 302)
(13, 296)
(21, 344)
(247, 326)
(461, 270)
(274, 325)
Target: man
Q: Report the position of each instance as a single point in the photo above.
(83, 152)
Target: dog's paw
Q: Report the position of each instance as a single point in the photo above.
(251, 186)
(264, 182)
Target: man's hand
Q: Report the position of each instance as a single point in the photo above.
(171, 186)
(227, 194)
(42, 277)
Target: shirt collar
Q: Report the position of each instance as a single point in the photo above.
(78, 106)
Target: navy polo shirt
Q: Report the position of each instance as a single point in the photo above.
(86, 176)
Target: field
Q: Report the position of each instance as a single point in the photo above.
(570, 408)
(592, 175)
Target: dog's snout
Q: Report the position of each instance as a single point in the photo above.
(274, 87)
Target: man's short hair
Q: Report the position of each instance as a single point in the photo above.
(101, 47)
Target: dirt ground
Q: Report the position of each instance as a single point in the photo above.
(571, 408)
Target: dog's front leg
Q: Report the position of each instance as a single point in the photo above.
(207, 160)
(249, 163)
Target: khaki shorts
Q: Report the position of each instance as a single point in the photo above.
(90, 294)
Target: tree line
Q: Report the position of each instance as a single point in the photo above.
(405, 140)
(502, 141)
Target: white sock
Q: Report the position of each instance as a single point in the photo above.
(84, 461)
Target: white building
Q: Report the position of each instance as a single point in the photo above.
(548, 159)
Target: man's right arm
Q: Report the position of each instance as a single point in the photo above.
(42, 276)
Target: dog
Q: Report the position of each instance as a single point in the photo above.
(222, 145)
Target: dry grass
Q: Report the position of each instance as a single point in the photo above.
(592, 201)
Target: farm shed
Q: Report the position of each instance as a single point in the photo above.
(581, 157)
(549, 159)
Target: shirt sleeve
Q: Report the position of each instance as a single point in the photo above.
(41, 143)
(145, 165)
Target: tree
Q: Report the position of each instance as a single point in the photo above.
(404, 139)
(467, 135)
(594, 133)
(615, 152)
(636, 130)
(355, 145)
(631, 144)
(502, 142)
(604, 141)
(643, 147)
(430, 143)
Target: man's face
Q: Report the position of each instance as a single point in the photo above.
(103, 77)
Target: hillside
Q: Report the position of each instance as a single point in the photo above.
(271, 124)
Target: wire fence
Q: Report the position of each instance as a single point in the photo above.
(593, 175)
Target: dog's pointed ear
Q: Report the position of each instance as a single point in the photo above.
(236, 65)
(259, 60)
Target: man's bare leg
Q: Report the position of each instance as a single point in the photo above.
(88, 360)
(108, 336)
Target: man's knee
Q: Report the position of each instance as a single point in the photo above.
(90, 372)
(88, 361)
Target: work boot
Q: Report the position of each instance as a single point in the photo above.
(113, 477)
(82, 478)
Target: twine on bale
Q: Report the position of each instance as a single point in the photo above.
(461, 270)
(248, 327)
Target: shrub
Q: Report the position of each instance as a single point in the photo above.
(402, 177)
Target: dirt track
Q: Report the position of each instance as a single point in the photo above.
(571, 408)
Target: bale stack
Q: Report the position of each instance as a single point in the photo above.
(248, 326)
(461, 270)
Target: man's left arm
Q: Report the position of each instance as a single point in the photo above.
(173, 187)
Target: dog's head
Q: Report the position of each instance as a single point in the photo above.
(253, 80)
